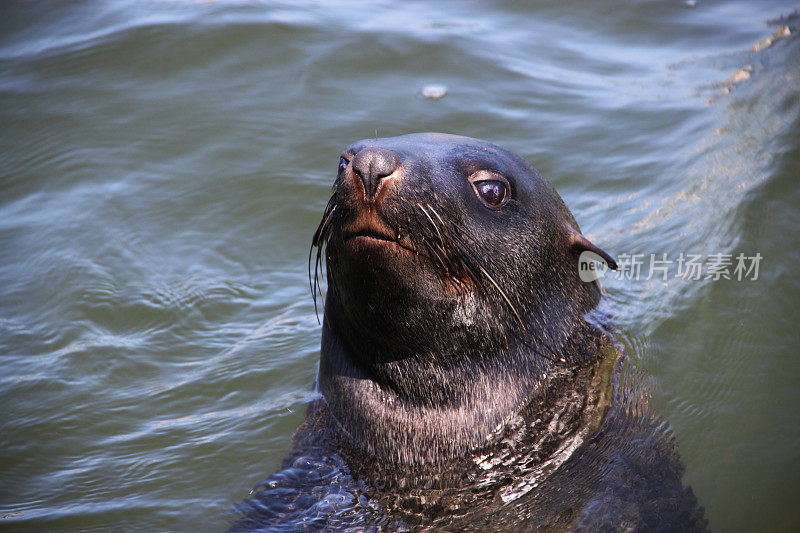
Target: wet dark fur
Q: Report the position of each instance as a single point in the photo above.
(468, 381)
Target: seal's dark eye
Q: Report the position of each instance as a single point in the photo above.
(492, 192)
(491, 188)
(343, 164)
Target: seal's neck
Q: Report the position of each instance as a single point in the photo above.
(439, 412)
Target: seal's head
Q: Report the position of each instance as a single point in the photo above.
(453, 285)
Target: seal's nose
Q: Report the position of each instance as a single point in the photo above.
(373, 165)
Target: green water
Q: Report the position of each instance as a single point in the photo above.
(163, 166)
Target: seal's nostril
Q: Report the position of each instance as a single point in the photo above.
(373, 165)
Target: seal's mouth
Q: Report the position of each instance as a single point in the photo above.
(372, 235)
(372, 239)
(369, 240)
(374, 231)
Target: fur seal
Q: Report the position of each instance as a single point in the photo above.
(468, 379)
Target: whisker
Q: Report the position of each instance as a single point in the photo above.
(319, 240)
(432, 222)
(505, 297)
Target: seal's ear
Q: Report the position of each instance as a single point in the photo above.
(582, 244)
